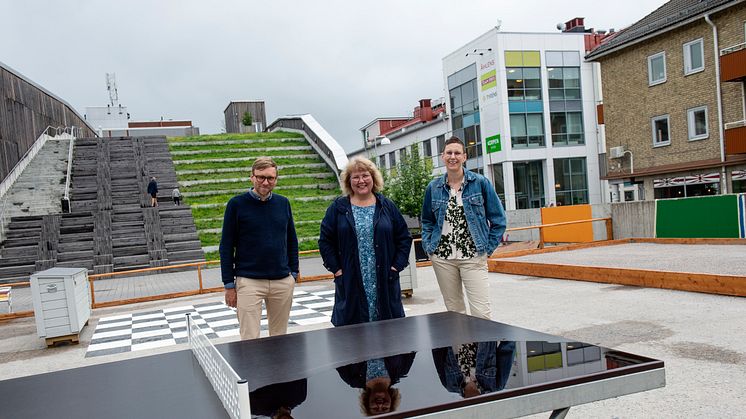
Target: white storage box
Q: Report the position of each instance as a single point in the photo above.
(408, 277)
(62, 302)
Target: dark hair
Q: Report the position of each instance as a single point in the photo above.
(455, 140)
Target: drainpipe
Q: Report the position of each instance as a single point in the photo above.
(721, 130)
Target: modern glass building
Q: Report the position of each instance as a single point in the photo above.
(525, 104)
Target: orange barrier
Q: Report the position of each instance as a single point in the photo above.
(543, 227)
(568, 233)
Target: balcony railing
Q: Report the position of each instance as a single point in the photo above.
(733, 63)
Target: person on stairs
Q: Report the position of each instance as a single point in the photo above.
(153, 192)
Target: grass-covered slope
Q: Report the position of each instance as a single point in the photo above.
(211, 169)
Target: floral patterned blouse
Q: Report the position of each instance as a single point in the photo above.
(455, 239)
(366, 251)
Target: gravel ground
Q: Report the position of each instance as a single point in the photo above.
(700, 338)
(698, 258)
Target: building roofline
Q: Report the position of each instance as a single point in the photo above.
(393, 118)
(38, 86)
(241, 101)
(603, 49)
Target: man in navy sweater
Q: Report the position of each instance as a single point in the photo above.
(259, 253)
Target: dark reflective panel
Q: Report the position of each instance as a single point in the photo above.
(470, 372)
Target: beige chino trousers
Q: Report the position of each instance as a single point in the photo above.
(277, 294)
(456, 275)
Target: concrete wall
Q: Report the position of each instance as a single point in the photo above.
(633, 219)
(523, 218)
(599, 227)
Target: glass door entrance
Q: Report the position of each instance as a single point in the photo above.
(529, 184)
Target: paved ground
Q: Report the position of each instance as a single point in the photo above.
(699, 258)
(122, 288)
(700, 337)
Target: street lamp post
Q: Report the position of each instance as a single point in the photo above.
(384, 141)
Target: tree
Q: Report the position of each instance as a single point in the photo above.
(406, 187)
(248, 119)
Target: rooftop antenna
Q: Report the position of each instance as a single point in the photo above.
(111, 86)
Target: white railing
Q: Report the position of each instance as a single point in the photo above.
(69, 170)
(733, 48)
(24, 161)
(321, 141)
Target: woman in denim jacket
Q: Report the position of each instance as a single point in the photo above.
(462, 224)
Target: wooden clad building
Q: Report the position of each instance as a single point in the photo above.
(26, 110)
(235, 111)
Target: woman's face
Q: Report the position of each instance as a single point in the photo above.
(379, 400)
(361, 182)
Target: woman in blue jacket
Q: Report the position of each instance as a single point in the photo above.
(365, 242)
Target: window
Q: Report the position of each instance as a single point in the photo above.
(543, 356)
(697, 122)
(527, 130)
(441, 140)
(660, 131)
(570, 181)
(657, 68)
(564, 82)
(581, 353)
(524, 83)
(567, 128)
(694, 60)
(427, 148)
(392, 160)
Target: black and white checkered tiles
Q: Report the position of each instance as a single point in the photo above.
(153, 329)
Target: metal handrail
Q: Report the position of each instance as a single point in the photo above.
(13, 175)
(69, 165)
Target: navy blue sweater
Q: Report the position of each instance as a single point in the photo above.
(259, 239)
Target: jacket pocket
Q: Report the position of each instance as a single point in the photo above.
(477, 204)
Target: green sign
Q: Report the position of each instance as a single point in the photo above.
(494, 144)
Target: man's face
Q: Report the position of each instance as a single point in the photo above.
(264, 180)
(453, 156)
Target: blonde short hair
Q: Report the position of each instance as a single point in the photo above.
(359, 164)
(262, 163)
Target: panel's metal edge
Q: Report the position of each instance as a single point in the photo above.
(547, 401)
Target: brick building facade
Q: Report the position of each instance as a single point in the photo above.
(663, 122)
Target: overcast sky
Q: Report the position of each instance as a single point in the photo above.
(344, 62)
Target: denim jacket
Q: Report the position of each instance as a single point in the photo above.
(494, 363)
(484, 212)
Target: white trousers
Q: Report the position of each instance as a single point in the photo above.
(456, 275)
